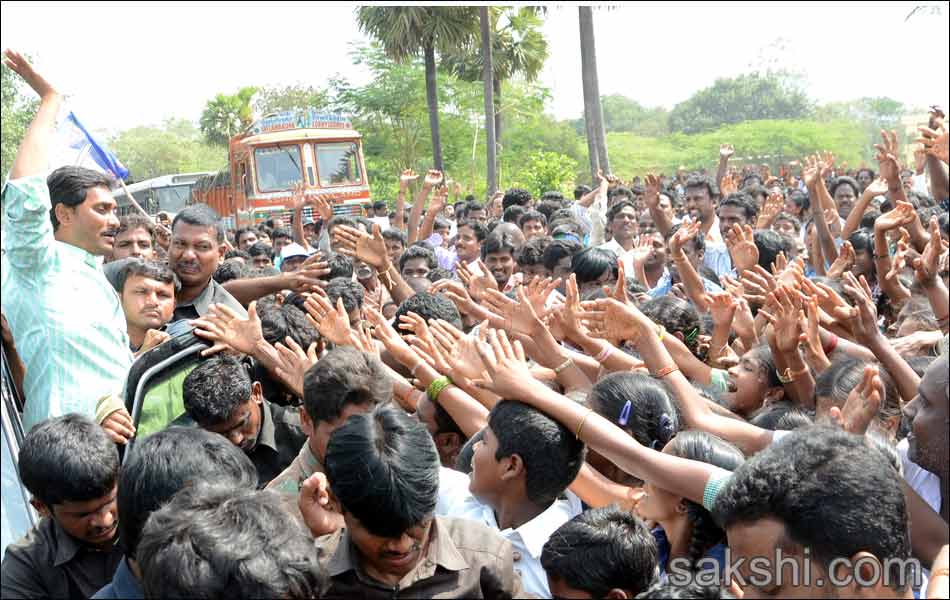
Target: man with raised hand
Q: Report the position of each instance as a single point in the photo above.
(64, 314)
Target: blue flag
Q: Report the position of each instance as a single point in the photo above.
(77, 147)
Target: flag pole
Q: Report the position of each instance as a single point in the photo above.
(139, 207)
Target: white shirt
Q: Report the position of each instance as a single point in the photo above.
(455, 500)
(922, 481)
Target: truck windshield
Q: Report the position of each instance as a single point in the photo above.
(338, 163)
(277, 168)
(174, 198)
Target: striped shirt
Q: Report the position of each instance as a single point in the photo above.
(67, 319)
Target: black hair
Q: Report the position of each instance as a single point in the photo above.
(215, 389)
(553, 196)
(282, 233)
(148, 269)
(702, 181)
(800, 199)
(602, 549)
(548, 208)
(557, 250)
(229, 270)
(133, 222)
(868, 219)
(670, 589)
(590, 264)
(516, 196)
(68, 459)
(677, 316)
(532, 215)
(430, 306)
(532, 252)
(200, 215)
(865, 170)
(770, 244)
(833, 492)
(473, 205)
(463, 462)
(69, 185)
(380, 204)
(652, 418)
(619, 206)
(415, 251)
(280, 321)
(620, 192)
(340, 265)
(581, 191)
(498, 242)
(216, 542)
(780, 416)
(261, 249)
(708, 448)
(741, 200)
(438, 274)
(243, 230)
(513, 214)
(383, 468)
(552, 456)
(480, 231)
(784, 216)
(755, 190)
(344, 376)
(845, 180)
(341, 220)
(396, 235)
(162, 464)
(350, 291)
(843, 375)
(237, 254)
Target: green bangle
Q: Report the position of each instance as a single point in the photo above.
(711, 491)
(436, 387)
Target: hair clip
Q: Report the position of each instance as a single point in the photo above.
(693, 333)
(625, 413)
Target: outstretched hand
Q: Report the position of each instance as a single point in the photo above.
(17, 63)
(862, 405)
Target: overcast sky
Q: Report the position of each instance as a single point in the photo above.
(130, 63)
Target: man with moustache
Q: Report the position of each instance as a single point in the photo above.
(65, 316)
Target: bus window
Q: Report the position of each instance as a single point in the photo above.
(277, 168)
(171, 199)
(338, 164)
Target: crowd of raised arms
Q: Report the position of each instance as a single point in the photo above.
(705, 385)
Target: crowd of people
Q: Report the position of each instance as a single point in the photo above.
(713, 384)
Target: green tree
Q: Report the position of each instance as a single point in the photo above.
(406, 31)
(176, 147)
(748, 97)
(869, 114)
(547, 171)
(18, 112)
(624, 114)
(227, 115)
(290, 97)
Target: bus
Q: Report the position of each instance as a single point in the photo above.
(167, 193)
(277, 153)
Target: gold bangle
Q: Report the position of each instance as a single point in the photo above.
(666, 371)
(580, 426)
(563, 365)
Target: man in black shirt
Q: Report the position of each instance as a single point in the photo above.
(220, 397)
(71, 468)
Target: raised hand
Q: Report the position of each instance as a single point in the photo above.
(118, 426)
(293, 363)
(810, 171)
(519, 316)
(887, 153)
(772, 207)
(899, 260)
(810, 338)
(456, 292)
(878, 187)
(392, 341)
(685, 233)
(722, 307)
(460, 351)
(316, 505)
(862, 405)
(935, 143)
(22, 67)
(297, 197)
(508, 373)
(569, 314)
(608, 319)
(439, 199)
(742, 248)
(323, 206)
(433, 178)
(743, 322)
(406, 179)
(927, 265)
(310, 276)
(226, 330)
(786, 304)
(901, 215)
(844, 262)
(537, 292)
(729, 184)
(333, 323)
(652, 195)
(479, 284)
(726, 151)
(642, 251)
(371, 249)
(862, 317)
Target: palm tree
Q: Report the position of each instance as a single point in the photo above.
(593, 113)
(518, 49)
(226, 115)
(405, 31)
(485, 22)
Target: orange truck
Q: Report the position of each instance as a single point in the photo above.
(274, 155)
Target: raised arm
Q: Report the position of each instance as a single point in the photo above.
(432, 179)
(725, 152)
(877, 188)
(652, 200)
(688, 274)
(435, 209)
(405, 179)
(371, 249)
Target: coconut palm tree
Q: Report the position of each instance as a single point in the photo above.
(406, 31)
(593, 113)
(226, 115)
